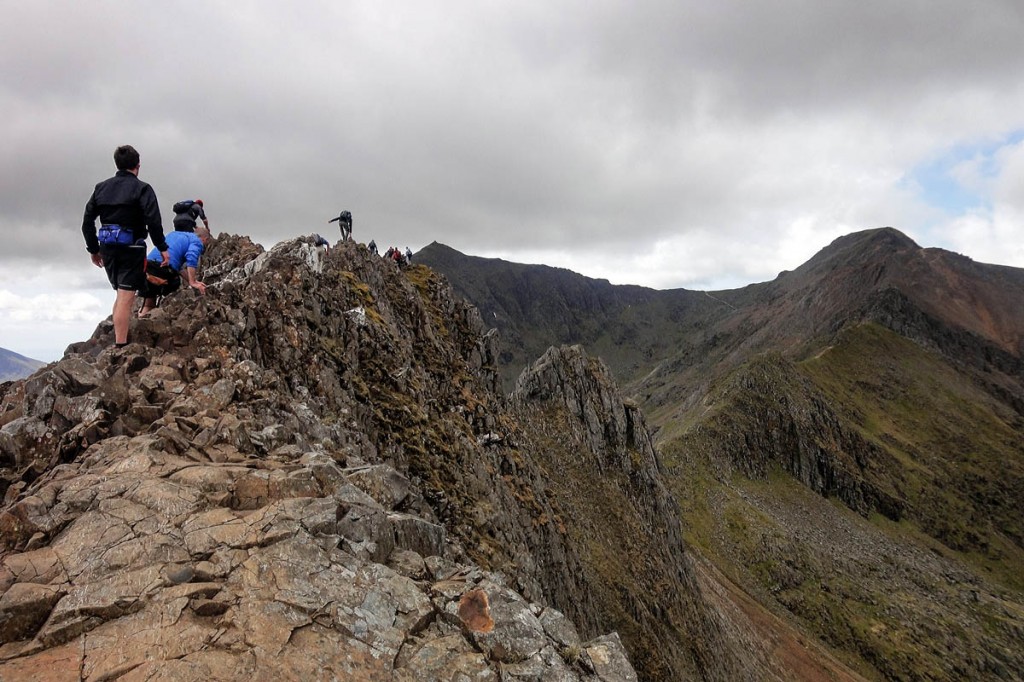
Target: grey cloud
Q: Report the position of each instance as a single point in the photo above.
(596, 126)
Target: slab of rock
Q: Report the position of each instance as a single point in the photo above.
(24, 608)
(609, 660)
(382, 483)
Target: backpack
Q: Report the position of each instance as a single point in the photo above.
(346, 218)
(183, 206)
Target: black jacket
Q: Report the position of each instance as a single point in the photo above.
(126, 201)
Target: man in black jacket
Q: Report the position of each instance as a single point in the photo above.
(128, 211)
(344, 221)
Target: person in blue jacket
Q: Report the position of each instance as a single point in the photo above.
(183, 251)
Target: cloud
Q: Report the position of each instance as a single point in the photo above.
(42, 325)
(737, 137)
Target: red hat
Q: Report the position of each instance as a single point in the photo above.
(199, 201)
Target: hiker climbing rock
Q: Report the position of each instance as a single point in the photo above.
(316, 240)
(344, 221)
(128, 211)
(408, 256)
(186, 212)
(184, 249)
(372, 246)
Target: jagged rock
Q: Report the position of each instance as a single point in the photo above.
(602, 450)
(409, 564)
(449, 657)
(608, 658)
(382, 483)
(23, 436)
(560, 629)
(234, 482)
(23, 609)
(416, 535)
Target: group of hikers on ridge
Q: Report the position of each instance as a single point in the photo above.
(128, 212)
(344, 221)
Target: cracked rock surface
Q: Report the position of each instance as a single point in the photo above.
(256, 488)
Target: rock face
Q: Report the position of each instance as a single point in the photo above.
(309, 473)
(879, 374)
(777, 417)
(602, 467)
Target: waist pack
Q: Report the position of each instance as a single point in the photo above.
(161, 280)
(115, 234)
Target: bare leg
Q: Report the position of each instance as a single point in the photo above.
(122, 314)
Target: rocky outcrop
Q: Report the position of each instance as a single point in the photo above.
(996, 368)
(602, 467)
(307, 473)
(767, 414)
(173, 566)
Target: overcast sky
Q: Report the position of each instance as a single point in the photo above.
(668, 143)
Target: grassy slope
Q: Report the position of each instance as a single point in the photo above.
(961, 452)
(938, 595)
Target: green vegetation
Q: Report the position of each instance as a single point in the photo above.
(909, 599)
(961, 458)
(763, 395)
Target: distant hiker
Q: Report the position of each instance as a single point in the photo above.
(186, 212)
(184, 249)
(344, 221)
(317, 240)
(372, 246)
(408, 255)
(128, 211)
(397, 256)
(390, 253)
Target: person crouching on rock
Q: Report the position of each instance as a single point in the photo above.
(183, 249)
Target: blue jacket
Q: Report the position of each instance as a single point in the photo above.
(183, 248)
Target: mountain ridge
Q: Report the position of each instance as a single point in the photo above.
(880, 374)
(16, 366)
(310, 471)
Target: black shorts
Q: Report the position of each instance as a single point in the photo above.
(125, 265)
(184, 225)
(161, 280)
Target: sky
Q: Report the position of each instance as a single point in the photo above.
(666, 143)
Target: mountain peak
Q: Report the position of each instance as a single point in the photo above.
(866, 246)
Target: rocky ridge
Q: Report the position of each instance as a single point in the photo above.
(879, 374)
(310, 472)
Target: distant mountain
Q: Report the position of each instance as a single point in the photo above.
(635, 329)
(881, 375)
(14, 366)
(535, 306)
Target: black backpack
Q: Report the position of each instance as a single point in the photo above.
(183, 206)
